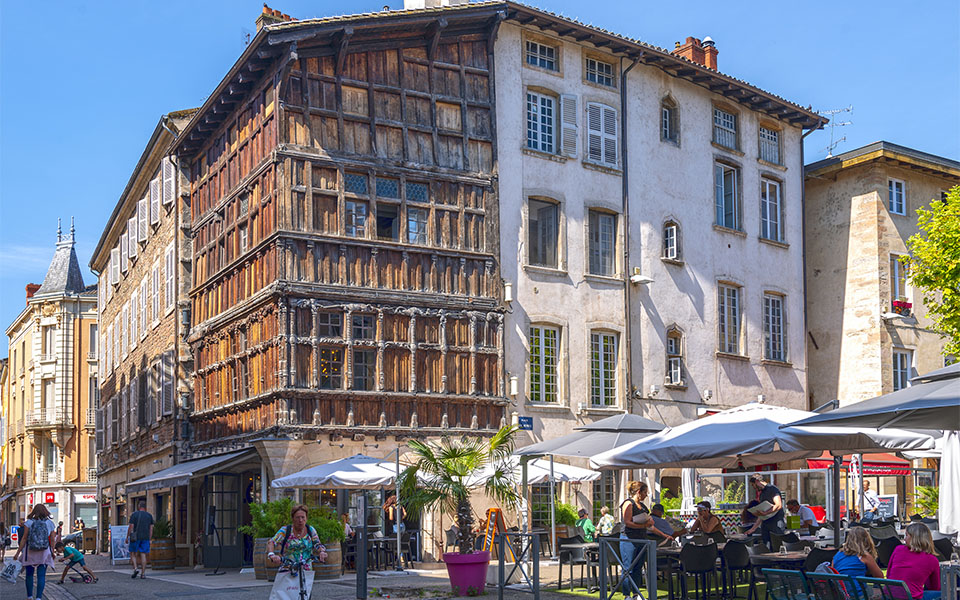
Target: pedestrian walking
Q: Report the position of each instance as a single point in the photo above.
(36, 548)
(139, 533)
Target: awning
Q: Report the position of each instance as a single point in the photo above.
(6, 497)
(182, 473)
(873, 464)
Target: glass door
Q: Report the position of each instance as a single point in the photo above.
(221, 541)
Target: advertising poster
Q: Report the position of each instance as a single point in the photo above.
(119, 551)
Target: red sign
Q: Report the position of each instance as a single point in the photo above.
(30, 499)
(49, 497)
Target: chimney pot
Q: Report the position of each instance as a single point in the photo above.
(703, 53)
(32, 289)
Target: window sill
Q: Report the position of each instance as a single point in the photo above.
(601, 168)
(736, 232)
(731, 356)
(676, 386)
(603, 411)
(603, 279)
(169, 310)
(555, 272)
(547, 407)
(733, 151)
(675, 143)
(545, 155)
(774, 243)
(601, 86)
(672, 261)
(771, 165)
(554, 72)
(776, 363)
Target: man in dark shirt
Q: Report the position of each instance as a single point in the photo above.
(139, 533)
(773, 521)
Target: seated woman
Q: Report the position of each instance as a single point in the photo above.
(706, 521)
(858, 556)
(915, 562)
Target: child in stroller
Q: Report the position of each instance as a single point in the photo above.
(76, 558)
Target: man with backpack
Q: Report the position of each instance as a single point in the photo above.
(36, 547)
(139, 533)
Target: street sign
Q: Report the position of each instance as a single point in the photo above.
(525, 423)
(49, 497)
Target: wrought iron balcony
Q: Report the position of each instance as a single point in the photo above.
(91, 421)
(91, 474)
(47, 476)
(46, 418)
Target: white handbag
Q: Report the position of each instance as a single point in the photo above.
(11, 568)
(287, 586)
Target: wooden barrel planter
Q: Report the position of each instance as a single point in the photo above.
(332, 567)
(163, 553)
(262, 568)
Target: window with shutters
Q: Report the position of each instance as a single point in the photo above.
(729, 318)
(155, 201)
(725, 129)
(599, 72)
(770, 145)
(155, 295)
(124, 252)
(144, 301)
(674, 352)
(774, 336)
(108, 349)
(541, 122)
(603, 368)
(727, 201)
(125, 329)
(124, 411)
(99, 429)
(771, 211)
(134, 320)
(543, 224)
(671, 241)
(602, 234)
(602, 135)
(134, 406)
(143, 213)
(169, 375)
(169, 181)
(544, 358)
(669, 121)
(115, 266)
(132, 236)
(170, 270)
(542, 56)
(114, 414)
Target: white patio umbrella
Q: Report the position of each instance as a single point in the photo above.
(538, 471)
(949, 513)
(357, 472)
(688, 483)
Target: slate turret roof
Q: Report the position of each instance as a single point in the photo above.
(63, 275)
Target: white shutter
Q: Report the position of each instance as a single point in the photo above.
(610, 137)
(155, 312)
(155, 201)
(144, 298)
(115, 410)
(568, 125)
(143, 212)
(168, 378)
(115, 265)
(168, 181)
(594, 132)
(124, 255)
(134, 423)
(169, 273)
(132, 235)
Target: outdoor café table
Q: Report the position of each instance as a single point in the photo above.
(588, 548)
(790, 558)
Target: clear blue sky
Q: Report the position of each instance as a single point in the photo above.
(83, 84)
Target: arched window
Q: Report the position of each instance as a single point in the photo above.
(671, 241)
(674, 353)
(669, 120)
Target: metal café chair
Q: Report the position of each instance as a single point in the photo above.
(883, 589)
(885, 550)
(816, 557)
(736, 562)
(785, 584)
(701, 562)
(828, 586)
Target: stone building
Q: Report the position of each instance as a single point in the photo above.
(868, 329)
(51, 398)
(651, 231)
(142, 259)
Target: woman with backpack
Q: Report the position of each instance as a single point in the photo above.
(39, 534)
(858, 556)
(296, 543)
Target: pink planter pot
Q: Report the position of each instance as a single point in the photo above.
(468, 572)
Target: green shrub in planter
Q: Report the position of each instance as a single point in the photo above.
(161, 528)
(268, 517)
(566, 514)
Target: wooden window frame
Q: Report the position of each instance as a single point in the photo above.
(765, 205)
(774, 326)
(718, 138)
(723, 314)
(598, 60)
(537, 337)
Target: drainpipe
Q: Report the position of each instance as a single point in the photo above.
(625, 191)
(803, 234)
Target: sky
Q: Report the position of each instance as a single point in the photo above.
(83, 85)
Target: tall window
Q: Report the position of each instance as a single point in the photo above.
(602, 142)
(331, 368)
(364, 369)
(725, 128)
(541, 122)
(770, 145)
(674, 357)
(542, 55)
(771, 211)
(774, 341)
(603, 235)
(544, 228)
(728, 315)
(725, 184)
(169, 289)
(902, 360)
(669, 121)
(49, 347)
(603, 368)
(600, 72)
(898, 205)
(355, 218)
(544, 344)
(671, 241)
(417, 226)
(540, 504)
(898, 277)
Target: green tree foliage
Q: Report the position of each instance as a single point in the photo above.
(934, 266)
(927, 500)
(266, 518)
(440, 476)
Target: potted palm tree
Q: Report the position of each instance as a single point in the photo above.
(439, 480)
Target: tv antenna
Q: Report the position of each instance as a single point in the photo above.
(834, 123)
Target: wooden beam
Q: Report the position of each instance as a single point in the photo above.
(582, 36)
(433, 33)
(267, 53)
(342, 42)
(565, 32)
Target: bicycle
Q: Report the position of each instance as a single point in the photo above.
(295, 568)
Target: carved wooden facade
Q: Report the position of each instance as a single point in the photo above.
(345, 260)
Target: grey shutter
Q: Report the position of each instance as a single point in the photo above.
(134, 405)
(610, 137)
(155, 201)
(568, 125)
(99, 429)
(594, 132)
(143, 213)
(155, 390)
(168, 377)
(124, 253)
(132, 235)
(169, 186)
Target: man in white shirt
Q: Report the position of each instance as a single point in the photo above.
(871, 504)
(807, 518)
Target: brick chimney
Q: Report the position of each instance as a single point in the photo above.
(701, 52)
(32, 289)
(270, 16)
